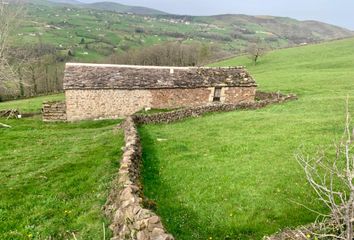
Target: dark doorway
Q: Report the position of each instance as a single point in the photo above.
(217, 94)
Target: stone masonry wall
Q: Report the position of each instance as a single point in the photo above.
(54, 111)
(105, 104)
(239, 95)
(116, 103)
(174, 98)
(124, 206)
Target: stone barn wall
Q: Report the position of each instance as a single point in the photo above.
(105, 104)
(95, 91)
(175, 98)
(235, 95)
(114, 103)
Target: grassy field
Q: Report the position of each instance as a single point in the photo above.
(223, 176)
(30, 105)
(234, 175)
(55, 177)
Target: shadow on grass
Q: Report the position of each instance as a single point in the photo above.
(172, 213)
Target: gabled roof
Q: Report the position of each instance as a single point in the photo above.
(105, 76)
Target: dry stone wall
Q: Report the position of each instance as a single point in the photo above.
(54, 111)
(261, 96)
(129, 219)
(177, 115)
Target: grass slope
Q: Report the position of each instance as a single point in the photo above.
(233, 175)
(104, 32)
(55, 178)
(30, 105)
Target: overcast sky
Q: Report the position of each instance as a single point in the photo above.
(338, 12)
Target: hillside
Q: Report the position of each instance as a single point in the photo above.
(72, 2)
(116, 7)
(112, 6)
(295, 31)
(104, 32)
(234, 175)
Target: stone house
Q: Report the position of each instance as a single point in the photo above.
(95, 91)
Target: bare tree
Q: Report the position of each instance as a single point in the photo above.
(171, 54)
(256, 50)
(9, 14)
(332, 180)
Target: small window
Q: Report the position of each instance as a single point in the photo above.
(217, 94)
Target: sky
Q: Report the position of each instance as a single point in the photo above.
(337, 12)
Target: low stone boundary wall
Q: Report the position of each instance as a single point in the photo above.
(130, 220)
(177, 115)
(261, 96)
(54, 111)
(124, 206)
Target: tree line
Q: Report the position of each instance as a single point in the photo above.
(32, 70)
(165, 54)
(29, 70)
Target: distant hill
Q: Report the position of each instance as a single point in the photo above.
(228, 26)
(117, 7)
(325, 29)
(97, 30)
(112, 6)
(73, 2)
(271, 27)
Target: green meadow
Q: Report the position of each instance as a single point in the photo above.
(221, 176)
(55, 177)
(30, 105)
(234, 175)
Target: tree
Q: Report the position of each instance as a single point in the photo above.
(332, 179)
(28, 70)
(166, 54)
(256, 50)
(9, 14)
